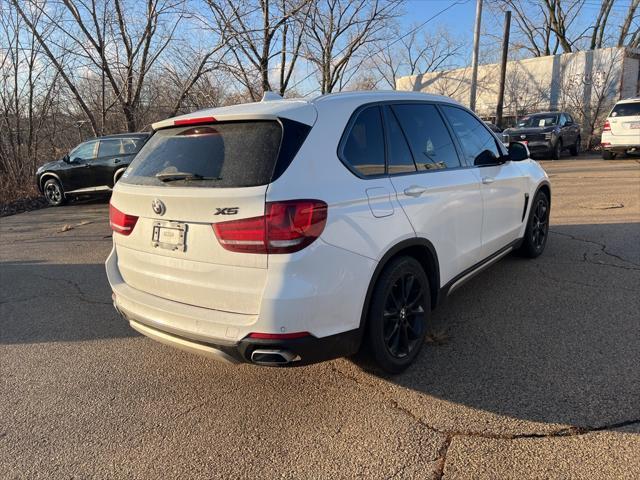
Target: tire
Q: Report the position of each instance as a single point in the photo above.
(398, 316)
(557, 150)
(608, 155)
(53, 192)
(537, 232)
(575, 148)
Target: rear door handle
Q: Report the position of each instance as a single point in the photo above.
(487, 180)
(414, 191)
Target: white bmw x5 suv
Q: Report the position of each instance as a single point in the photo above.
(287, 232)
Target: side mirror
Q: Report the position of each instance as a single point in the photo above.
(66, 159)
(518, 152)
(487, 157)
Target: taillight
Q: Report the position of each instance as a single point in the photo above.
(607, 126)
(285, 228)
(121, 222)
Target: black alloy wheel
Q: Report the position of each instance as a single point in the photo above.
(403, 316)
(53, 192)
(398, 315)
(538, 227)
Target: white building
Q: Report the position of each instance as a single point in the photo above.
(585, 83)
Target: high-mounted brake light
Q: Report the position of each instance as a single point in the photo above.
(607, 126)
(121, 222)
(278, 336)
(286, 227)
(193, 121)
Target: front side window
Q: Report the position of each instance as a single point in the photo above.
(363, 149)
(428, 137)
(478, 144)
(84, 151)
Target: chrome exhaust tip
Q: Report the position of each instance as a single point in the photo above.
(269, 357)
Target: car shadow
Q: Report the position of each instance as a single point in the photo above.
(553, 340)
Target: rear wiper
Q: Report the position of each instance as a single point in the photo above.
(177, 176)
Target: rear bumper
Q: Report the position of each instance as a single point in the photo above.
(327, 309)
(298, 352)
(622, 148)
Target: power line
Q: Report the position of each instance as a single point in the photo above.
(410, 32)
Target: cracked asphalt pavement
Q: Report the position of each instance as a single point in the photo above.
(535, 372)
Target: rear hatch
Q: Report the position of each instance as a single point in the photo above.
(624, 121)
(186, 178)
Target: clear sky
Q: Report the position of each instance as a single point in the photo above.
(459, 18)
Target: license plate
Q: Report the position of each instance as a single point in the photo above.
(169, 235)
(634, 125)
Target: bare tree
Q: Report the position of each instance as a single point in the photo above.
(107, 44)
(259, 32)
(27, 94)
(625, 29)
(337, 32)
(418, 52)
(588, 95)
(546, 27)
(597, 36)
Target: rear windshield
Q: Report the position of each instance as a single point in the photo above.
(233, 154)
(626, 110)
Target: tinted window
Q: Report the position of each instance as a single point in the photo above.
(110, 148)
(364, 146)
(400, 158)
(428, 137)
(234, 154)
(478, 144)
(131, 145)
(626, 110)
(563, 119)
(84, 151)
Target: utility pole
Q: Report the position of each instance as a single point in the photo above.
(503, 66)
(474, 59)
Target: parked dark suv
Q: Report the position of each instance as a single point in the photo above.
(92, 167)
(546, 133)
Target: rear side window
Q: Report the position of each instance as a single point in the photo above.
(626, 110)
(363, 149)
(110, 147)
(478, 144)
(428, 136)
(232, 154)
(400, 158)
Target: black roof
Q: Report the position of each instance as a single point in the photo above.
(124, 135)
(543, 113)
